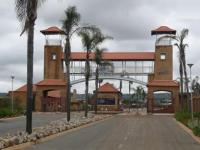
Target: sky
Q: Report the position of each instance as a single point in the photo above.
(129, 22)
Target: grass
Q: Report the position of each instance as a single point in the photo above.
(5, 108)
(184, 117)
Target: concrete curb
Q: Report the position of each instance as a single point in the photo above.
(188, 130)
(45, 139)
(11, 118)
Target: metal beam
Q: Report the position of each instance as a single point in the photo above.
(110, 78)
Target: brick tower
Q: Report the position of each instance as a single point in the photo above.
(53, 65)
(162, 78)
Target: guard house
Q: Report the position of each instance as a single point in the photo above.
(162, 78)
(108, 98)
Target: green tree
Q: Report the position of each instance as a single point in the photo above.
(179, 43)
(70, 26)
(26, 11)
(91, 39)
(196, 86)
(99, 62)
(182, 60)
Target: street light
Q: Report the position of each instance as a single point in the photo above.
(12, 79)
(129, 102)
(191, 100)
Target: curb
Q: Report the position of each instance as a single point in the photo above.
(188, 130)
(47, 138)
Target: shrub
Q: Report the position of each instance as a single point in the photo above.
(183, 116)
(196, 130)
(5, 112)
(197, 115)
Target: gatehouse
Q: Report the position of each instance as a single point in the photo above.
(152, 69)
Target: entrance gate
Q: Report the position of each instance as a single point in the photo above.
(154, 68)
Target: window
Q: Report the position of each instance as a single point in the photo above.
(163, 56)
(53, 56)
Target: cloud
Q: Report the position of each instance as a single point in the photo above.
(128, 22)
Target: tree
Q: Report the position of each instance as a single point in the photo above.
(91, 38)
(196, 86)
(98, 60)
(26, 11)
(182, 60)
(70, 26)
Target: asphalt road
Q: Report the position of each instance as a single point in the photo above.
(14, 125)
(125, 132)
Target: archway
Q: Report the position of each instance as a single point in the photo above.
(163, 102)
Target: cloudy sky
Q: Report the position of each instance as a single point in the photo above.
(128, 21)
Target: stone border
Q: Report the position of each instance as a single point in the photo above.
(60, 133)
(188, 130)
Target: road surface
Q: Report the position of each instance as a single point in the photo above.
(125, 132)
(14, 125)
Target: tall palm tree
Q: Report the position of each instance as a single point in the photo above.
(99, 62)
(91, 38)
(182, 60)
(70, 26)
(26, 11)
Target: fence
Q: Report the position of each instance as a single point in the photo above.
(186, 103)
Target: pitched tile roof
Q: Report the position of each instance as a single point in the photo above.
(164, 83)
(24, 88)
(108, 88)
(52, 30)
(163, 30)
(47, 82)
(148, 56)
(54, 93)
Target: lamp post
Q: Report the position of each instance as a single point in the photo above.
(12, 79)
(129, 102)
(191, 100)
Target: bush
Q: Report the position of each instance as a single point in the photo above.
(183, 116)
(5, 108)
(196, 130)
(5, 112)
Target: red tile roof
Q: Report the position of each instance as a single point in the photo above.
(163, 30)
(52, 30)
(148, 56)
(108, 88)
(163, 83)
(24, 88)
(47, 82)
(55, 94)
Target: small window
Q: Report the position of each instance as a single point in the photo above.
(54, 57)
(163, 56)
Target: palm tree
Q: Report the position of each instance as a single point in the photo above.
(70, 26)
(91, 38)
(26, 11)
(98, 60)
(182, 60)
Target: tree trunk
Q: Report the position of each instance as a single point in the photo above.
(68, 86)
(87, 74)
(29, 97)
(96, 86)
(181, 80)
(185, 74)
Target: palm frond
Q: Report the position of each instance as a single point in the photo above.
(71, 20)
(26, 11)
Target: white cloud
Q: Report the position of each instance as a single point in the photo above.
(129, 22)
